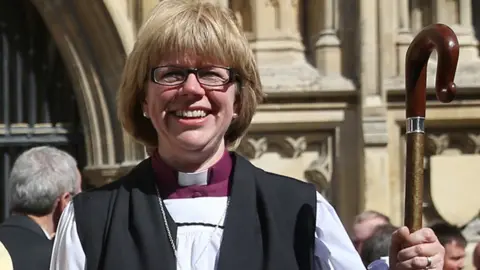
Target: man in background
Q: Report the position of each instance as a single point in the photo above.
(42, 182)
(364, 226)
(476, 256)
(454, 242)
(377, 246)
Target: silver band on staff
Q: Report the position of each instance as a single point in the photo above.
(416, 125)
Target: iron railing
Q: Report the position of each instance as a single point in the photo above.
(37, 102)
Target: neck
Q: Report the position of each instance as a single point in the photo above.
(191, 161)
(46, 222)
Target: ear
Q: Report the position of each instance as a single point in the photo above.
(236, 102)
(143, 97)
(144, 106)
(64, 199)
(145, 109)
(235, 110)
(60, 205)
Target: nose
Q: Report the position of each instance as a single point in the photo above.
(192, 87)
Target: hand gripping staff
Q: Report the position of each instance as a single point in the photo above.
(441, 38)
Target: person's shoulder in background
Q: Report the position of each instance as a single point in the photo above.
(381, 264)
(5, 260)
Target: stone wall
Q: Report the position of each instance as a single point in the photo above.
(334, 74)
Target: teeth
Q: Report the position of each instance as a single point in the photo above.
(191, 114)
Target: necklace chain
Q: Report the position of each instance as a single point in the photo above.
(169, 234)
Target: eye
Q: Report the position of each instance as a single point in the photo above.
(214, 75)
(210, 74)
(173, 74)
(169, 75)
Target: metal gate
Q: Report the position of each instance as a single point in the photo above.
(37, 103)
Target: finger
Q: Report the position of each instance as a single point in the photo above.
(422, 250)
(422, 236)
(398, 239)
(421, 263)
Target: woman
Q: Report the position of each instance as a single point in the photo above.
(189, 89)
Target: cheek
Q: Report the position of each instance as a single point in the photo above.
(230, 103)
(230, 99)
(156, 99)
(223, 103)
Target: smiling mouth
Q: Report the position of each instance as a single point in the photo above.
(191, 114)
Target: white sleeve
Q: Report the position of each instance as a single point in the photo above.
(333, 247)
(67, 253)
(5, 259)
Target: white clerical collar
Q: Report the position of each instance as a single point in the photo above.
(193, 179)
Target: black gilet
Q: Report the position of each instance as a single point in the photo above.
(270, 223)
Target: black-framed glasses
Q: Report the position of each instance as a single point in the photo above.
(208, 76)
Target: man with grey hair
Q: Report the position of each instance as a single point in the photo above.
(476, 256)
(364, 226)
(42, 183)
(378, 245)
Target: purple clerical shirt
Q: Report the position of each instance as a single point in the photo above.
(217, 182)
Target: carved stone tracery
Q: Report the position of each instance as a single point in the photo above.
(320, 171)
(464, 142)
(448, 142)
(293, 146)
(272, 3)
(253, 148)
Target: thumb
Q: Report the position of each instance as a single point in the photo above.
(396, 244)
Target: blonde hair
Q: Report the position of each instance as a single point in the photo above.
(197, 28)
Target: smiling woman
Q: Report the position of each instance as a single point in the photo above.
(183, 35)
(190, 89)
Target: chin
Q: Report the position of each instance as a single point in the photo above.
(193, 143)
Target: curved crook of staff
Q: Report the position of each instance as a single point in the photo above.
(441, 38)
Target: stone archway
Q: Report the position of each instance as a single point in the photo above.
(93, 38)
(37, 103)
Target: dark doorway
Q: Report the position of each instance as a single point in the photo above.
(37, 102)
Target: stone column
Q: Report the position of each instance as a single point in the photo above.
(373, 110)
(458, 15)
(327, 47)
(276, 33)
(467, 39)
(404, 36)
(323, 19)
(278, 47)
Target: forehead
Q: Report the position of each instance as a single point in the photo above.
(454, 248)
(365, 229)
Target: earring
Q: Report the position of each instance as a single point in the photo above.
(235, 115)
(145, 114)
